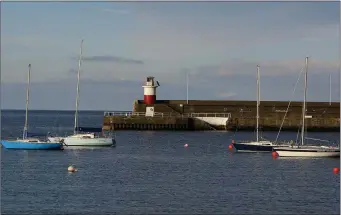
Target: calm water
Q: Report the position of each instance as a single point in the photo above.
(151, 172)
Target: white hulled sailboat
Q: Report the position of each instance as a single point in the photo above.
(307, 150)
(84, 136)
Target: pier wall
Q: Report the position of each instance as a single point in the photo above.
(325, 116)
(139, 121)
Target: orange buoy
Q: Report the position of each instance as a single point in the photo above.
(232, 141)
(274, 154)
(186, 145)
(336, 170)
(230, 146)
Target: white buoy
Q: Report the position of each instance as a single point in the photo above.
(71, 169)
(186, 145)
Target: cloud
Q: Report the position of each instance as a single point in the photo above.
(219, 43)
(107, 58)
(238, 69)
(116, 11)
(240, 66)
(226, 95)
(235, 29)
(94, 94)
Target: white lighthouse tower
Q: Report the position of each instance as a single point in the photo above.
(150, 90)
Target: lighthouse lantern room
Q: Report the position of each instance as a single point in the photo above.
(150, 90)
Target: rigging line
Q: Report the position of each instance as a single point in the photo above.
(288, 106)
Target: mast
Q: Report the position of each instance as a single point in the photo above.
(78, 77)
(258, 97)
(304, 99)
(330, 89)
(187, 85)
(27, 101)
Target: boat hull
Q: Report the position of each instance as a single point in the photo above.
(31, 146)
(72, 141)
(262, 146)
(245, 147)
(308, 152)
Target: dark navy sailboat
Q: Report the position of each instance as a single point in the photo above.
(255, 146)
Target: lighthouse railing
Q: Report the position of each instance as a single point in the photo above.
(160, 114)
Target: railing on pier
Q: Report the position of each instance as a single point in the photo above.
(158, 114)
(225, 115)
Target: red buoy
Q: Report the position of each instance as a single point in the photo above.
(230, 146)
(186, 145)
(274, 154)
(232, 141)
(336, 170)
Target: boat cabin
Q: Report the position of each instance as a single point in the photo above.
(87, 132)
(85, 136)
(31, 140)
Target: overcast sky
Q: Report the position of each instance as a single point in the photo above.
(218, 43)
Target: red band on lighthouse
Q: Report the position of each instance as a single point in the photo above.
(150, 91)
(149, 99)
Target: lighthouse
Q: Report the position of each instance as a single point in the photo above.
(150, 90)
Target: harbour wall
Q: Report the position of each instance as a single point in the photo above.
(238, 115)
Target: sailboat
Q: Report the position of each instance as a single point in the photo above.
(83, 136)
(258, 145)
(307, 150)
(30, 143)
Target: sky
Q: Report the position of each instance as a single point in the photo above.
(219, 45)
